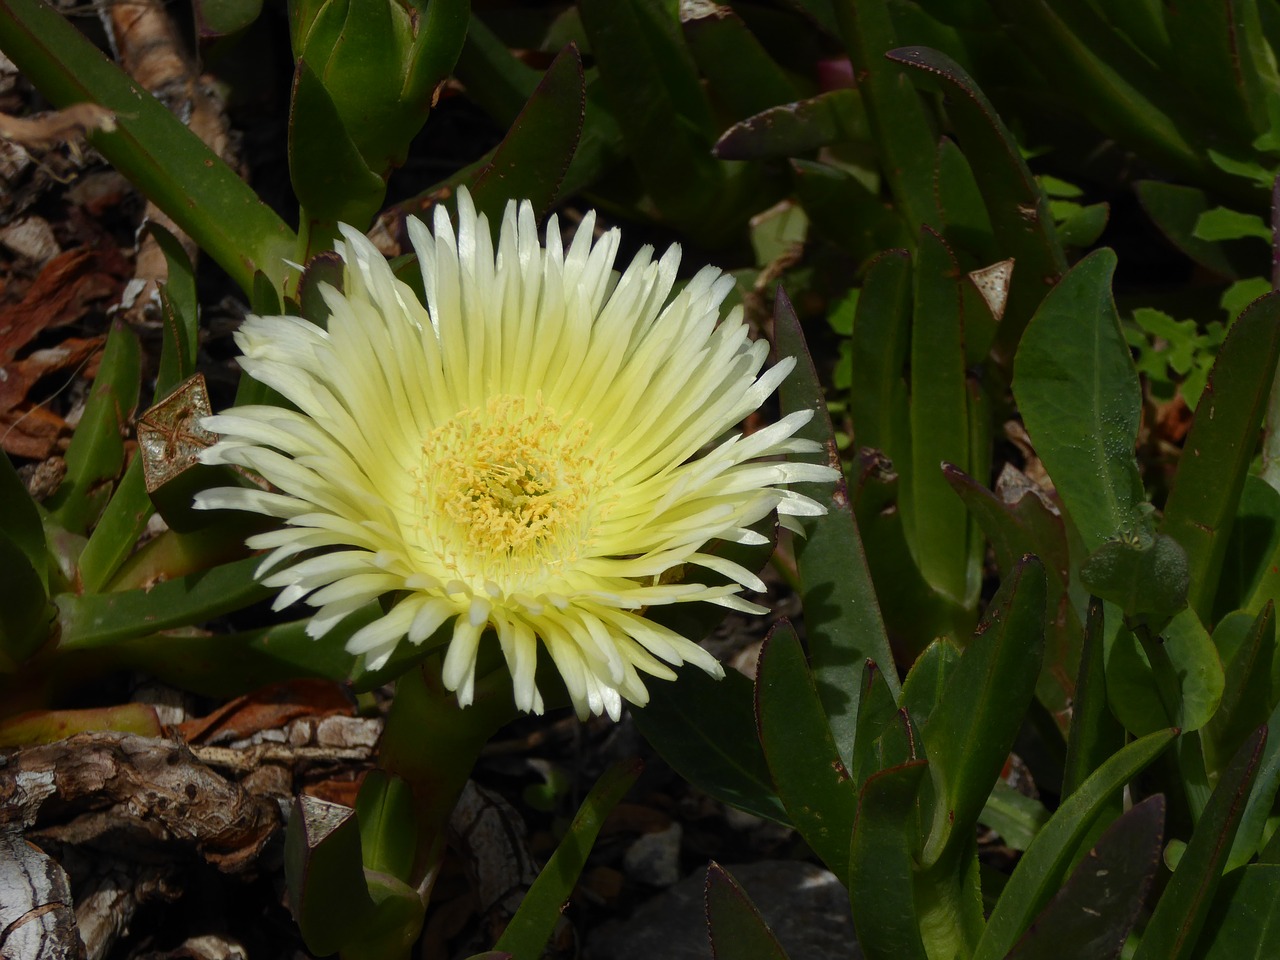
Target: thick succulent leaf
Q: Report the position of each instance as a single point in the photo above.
(882, 865)
(96, 454)
(1018, 209)
(1029, 524)
(901, 129)
(180, 312)
(1078, 392)
(743, 78)
(1095, 734)
(794, 129)
(1244, 923)
(811, 778)
(171, 165)
(706, 730)
(327, 891)
(971, 731)
(1175, 926)
(736, 928)
(842, 617)
(529, 930)
(1040, 873)
(936, 521)
(1221, 445)
(20, 520)
(1098, 905)
(1248, 693)
(97, 620)
(534, 156)
(25, 618)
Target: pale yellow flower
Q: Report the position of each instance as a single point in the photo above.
(535, 451)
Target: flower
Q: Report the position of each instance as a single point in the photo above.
(527, 453)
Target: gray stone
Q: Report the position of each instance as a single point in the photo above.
(804, 905)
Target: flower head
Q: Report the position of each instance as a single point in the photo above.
(535, 451)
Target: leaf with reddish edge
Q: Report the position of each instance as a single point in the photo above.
(1223, 439)
(1099, 904)
(973, 727)
(811, 778)
(533, 157)
(1019, 212)
(842, 615)
(1040, 872)
(881, 865)
(735, 926)
(1175, 925)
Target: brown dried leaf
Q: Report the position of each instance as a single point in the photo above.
(266, 709)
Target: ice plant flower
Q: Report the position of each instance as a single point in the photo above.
(538, 451)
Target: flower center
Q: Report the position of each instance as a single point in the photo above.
(507, 488)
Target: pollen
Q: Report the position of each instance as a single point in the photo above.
(507, 490)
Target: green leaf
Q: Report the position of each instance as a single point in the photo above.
(180, 312)
(1146, 576)
(1259, 809)
(1079, 396)
(807, 770)
(166, 161)
(1247, 692)
(706, 730)
(737, 930)
(96, 620)
(900, 127)
(1095, 734)
(231, 664)
(116, 535)
(655, 96)
(534, 156)
(936, 521)
(842, 616)
(1018, 522)
(1221, 445)
(332, 180)
(881, 334)
(1040, 872)
(20, 521)
(1099, 904)
(529, 930)
(1019, 212)
(388, 833)
(1185, 687)
(96, 454)
(844, 211)
(1244, 923)
(877, 714)
(927, 679)
(324, 873)
(216, 18)
(1175, 925)
(794, 129)
(1220, 223)
(24, 607)
(1251, 563)
(743, 78)
(971, 731)
(882, 865)
(967, 225)
(1013, 815)
(1176, 210)
(1084, 226)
